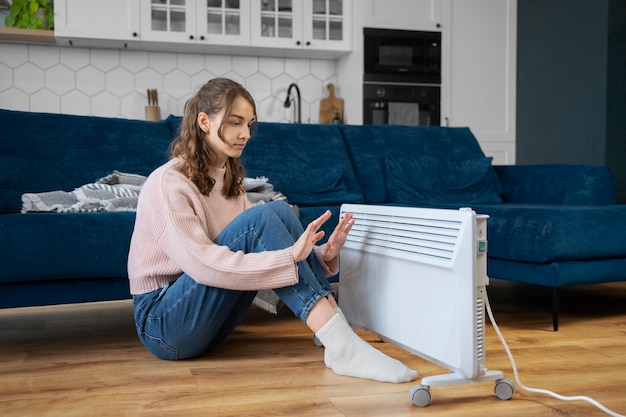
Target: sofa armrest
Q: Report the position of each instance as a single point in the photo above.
(569, 184)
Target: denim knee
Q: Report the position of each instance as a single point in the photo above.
(282, 208)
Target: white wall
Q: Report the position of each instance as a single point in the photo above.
(113, 83)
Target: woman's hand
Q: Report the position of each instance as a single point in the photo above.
(311, 235)
(336, 241)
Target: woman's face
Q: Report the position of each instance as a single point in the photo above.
(235, 130)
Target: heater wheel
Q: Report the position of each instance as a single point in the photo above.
(504, 389)
(420, 395)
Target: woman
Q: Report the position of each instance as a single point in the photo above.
(200, 251)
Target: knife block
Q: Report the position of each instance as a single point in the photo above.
(153, 113)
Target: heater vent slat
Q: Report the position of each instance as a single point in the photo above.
(480, 329)
(423, 238)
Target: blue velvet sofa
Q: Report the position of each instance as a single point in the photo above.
(549, 225)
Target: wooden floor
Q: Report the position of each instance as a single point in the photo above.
(85, 360)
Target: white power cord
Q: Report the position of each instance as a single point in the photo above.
(536, 390)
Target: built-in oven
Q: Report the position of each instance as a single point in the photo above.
(401, 104)
(402, 77)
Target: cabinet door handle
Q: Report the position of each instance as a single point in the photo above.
(190, 37)
(298, 43)
(202, 37)
(308, 43)
(135, 34)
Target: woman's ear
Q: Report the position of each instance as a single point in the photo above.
(204, 121)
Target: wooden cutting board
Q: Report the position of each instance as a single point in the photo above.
(331, 106)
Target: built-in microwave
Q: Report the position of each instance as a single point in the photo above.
(402, 56)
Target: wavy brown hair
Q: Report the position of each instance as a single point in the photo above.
(213, 97)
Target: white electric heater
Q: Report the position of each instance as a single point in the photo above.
(417, 277)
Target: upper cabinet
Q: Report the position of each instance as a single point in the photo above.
(315, 25)
(402, 14)
(299, 28)
(83, 22)
(223, 22)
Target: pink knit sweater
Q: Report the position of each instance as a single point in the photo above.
(174, 232)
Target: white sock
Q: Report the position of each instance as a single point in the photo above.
(347, 354)
(316, 340)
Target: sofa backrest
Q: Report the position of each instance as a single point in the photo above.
(48, 152)
(569, 184)
(421, 165)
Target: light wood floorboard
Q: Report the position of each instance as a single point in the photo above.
(86, 360)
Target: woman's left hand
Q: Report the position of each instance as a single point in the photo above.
(337, 239)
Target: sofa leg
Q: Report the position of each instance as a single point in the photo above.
(555, 309)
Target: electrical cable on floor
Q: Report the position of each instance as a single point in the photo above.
(536, 390)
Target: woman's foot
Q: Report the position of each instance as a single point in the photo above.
(347, 354)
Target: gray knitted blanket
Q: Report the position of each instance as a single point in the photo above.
(119, 191)
(115, 192)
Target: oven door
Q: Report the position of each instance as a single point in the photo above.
(401, 105)
(401, 113)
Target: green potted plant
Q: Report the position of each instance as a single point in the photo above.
(31, 14)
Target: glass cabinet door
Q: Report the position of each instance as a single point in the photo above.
(168, 20)
(277, 23)
(327, 20)
(277, 18)
(225, 21)
(327, 24)
(168, 15)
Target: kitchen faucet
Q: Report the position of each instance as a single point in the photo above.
(288, 100)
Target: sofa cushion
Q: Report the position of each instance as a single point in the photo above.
(318, 170)
(560, 273)
(427, 180)
(549, 233)
(324, 186)
(370, 147)
(47, 152)
(47, 246)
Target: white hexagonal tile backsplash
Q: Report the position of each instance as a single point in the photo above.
(104, 82)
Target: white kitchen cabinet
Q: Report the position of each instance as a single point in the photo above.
(402, 14)
(87, 22)
(314, 25)
(220, 22)
(297, 28)
(478, 86)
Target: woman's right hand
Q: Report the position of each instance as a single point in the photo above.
(311, 235)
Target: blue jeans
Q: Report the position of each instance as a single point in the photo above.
(185, 319)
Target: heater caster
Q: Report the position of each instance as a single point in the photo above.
(504, 389)
(420, 395)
